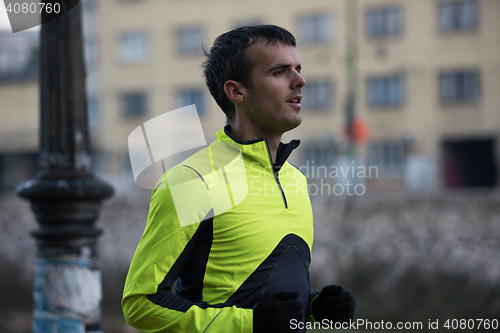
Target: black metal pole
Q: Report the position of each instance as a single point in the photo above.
(65, 195)
(352, 86)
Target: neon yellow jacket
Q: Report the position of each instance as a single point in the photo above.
(227, 227)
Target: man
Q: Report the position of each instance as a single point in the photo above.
(232, 225)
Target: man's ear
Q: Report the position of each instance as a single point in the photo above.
(234, 91)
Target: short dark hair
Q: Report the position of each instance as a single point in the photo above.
(227, 59)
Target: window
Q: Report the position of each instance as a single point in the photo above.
(459, 86)
(316, 29)
(190, 40)
(317, 95)
(127, 165)
(134, 104)
(133, 47)
(194, 96)
(388, 156)
(11, 61)
(90, 51)
(386, 91)
(88, 5)
(93, 111)
(318, 154)
(458, 16)
(383, 22)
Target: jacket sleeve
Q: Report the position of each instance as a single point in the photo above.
(313, 293)
(170, 236)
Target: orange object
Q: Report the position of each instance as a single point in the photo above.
(360, 131)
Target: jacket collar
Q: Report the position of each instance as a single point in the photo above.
(258, 149)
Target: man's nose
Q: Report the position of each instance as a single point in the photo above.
(298, 81)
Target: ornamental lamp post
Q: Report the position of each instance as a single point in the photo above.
(65, 195)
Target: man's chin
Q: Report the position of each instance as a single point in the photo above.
(293, 123)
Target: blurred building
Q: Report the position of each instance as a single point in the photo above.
(90, 30)
(18, 107)
(425, 79)
(426, 110)
(427, 75)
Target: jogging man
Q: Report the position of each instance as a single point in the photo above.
(232, 225)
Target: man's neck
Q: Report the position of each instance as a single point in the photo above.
(247, 133)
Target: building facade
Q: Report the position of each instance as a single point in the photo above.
(424, 79)
(18, 107)
(422, 75)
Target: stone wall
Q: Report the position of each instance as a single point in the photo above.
(411, 256)
(406, 256)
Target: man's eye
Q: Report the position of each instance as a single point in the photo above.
(281, 71)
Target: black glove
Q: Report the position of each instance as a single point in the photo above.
(273, 313)
(333, 303)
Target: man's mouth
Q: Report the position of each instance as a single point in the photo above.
(295, 100)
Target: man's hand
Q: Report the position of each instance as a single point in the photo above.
(333, 303)
(273, 314)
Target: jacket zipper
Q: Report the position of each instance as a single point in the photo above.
(275, 175)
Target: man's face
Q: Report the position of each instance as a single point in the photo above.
(273, 102)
